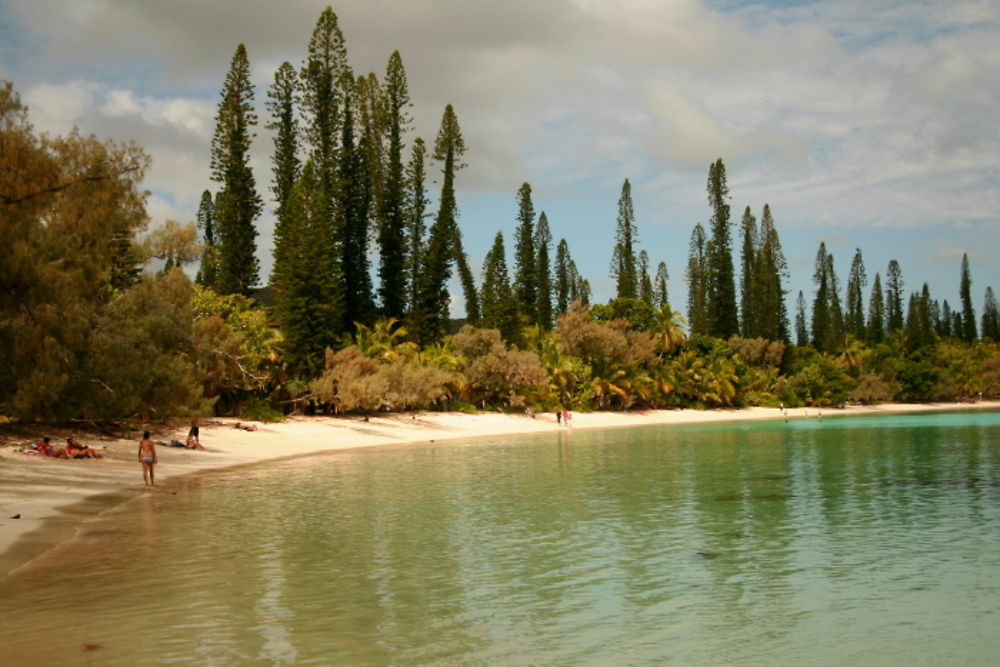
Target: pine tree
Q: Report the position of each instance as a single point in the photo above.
(856, 281)
(444, 245)
(525, 280)
(991, 317)
(697, 277)
(828, 318)
(893, 297)
(285, 159)
(875, 331)
(416, 212)
(499, 305)
(918, 323)
(392, 234)
(322, 109)
(623, 261)
(563, 278)
(237, 204)
(645, 282)
(721, 291)
(749, 290)
(543, 272)
(308, 303)
(968, 332)
(801, 330)
(660, 297)
(208, 274)
(352, 216)
(944, 323)
(770, 269)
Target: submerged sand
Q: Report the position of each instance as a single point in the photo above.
(53, 497)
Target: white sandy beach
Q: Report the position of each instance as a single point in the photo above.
(47, 493)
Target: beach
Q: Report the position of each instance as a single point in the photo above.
(53, 497)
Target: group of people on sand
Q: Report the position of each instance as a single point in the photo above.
(147, 452)
(564, 417)
(72, 450)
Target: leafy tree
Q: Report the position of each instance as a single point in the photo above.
(623, 262)
(499, 305)
(392, 234)
(525, 278)
(660, 296)
(174, 243)
(237, 204)
(876, 314)
(748, 276)
(697, 277)
(856, 281)
(721, 287)
(968, 331)
(893, 297)
(208, 273)
(497, 374)
(543, 272)
(991, 317)
(69, 206)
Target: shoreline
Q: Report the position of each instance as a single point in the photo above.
(54, 497)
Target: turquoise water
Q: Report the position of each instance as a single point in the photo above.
(842, 541)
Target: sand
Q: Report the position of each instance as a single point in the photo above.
(53, 497)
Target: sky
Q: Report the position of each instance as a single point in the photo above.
(864, 124)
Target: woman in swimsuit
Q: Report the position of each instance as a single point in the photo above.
(78, 451)
(147, 457)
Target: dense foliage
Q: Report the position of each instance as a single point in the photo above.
(98, 321)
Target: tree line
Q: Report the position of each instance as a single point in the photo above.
(92, 331)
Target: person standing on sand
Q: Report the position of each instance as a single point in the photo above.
(147, 457)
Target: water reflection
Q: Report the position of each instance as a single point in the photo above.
(791, 543)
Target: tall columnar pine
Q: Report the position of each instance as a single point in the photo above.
(854, 319)
(827, 318)
(543, 272)
(721, 292)
(415, 212)
(308, 303)
(944, 327)
(991, 317)
(322, 109)
(748, 275)
(875, 331)
(919, 329)
(698, 282)
(525, 280)
(661, 299)
(893, 297)
(208, 273)
(623, 261)
(499, 305)
(770, 270)
(968, 332)
(645, 282)
(563, 280)
(431, 315)
(801, 330)
(285, 162)
(237, 204)
(354, 198)
(392, 238)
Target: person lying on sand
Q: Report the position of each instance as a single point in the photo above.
(245, 427)
(77, 451)
(192, 443)
(47, 449)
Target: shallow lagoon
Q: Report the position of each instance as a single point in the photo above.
(870, 540)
